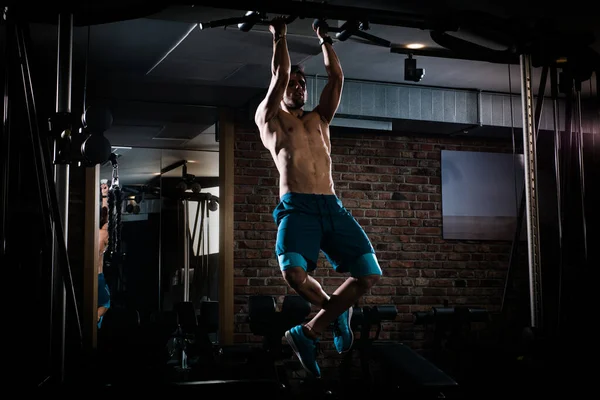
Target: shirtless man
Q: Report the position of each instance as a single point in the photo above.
(103, 291)
(309, 216)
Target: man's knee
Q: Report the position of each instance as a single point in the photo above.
(367, 281)
(294, 276)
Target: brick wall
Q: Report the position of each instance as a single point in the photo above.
(392, 185)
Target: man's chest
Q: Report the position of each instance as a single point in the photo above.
(307, 129)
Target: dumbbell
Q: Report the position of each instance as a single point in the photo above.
(96, 147)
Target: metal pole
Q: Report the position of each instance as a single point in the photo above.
(517, 236)
(186, 254)
(531, 191)
(208, 274)
(159, 305)
(61, 179)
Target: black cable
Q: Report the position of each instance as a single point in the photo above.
(579, 142)
(85, 73)
(111, 221)
(594, 118)
(4, 188)
(44, 177)
(557, 177)
(118, 223)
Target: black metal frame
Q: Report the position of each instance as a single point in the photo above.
(51, 183)
(575, 249)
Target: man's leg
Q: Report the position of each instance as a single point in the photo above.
(342, 299)
(297, 247)
(331, 306)
(305, 285)
(348, 249)
(301, 339)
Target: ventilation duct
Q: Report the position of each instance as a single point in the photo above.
(420, 109)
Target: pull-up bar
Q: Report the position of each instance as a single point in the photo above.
(312, 10)
(539, 39)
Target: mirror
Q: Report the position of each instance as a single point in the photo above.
(168, 241)
(166, 148)
(132, 267)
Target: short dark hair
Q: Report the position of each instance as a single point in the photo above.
(298, 69)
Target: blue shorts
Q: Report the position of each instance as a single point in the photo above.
(310, 223)
(103, 295)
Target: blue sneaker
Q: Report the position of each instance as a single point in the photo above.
(343, 337)
(305, 350)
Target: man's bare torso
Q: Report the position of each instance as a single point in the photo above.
(301, 150)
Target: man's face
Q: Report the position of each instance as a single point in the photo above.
(295, 93)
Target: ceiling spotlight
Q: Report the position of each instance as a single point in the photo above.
(411, 72)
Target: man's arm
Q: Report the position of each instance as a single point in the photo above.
(102, 240)
(280, 70)
(101, 311)
(332, 92)
(104, 191)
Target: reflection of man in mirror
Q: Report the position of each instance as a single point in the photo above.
(103, 291)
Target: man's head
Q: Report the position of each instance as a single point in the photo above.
(295, 93)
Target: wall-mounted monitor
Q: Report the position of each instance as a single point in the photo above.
(481, 194)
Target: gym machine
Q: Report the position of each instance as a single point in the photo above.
(558, 255)
(196, 315)
(195, 283)
(52, 156)
(61, 343)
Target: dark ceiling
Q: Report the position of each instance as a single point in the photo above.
(163, 76)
